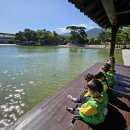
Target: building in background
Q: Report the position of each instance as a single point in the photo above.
(6, 38)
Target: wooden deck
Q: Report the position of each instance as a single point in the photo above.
(51, 115)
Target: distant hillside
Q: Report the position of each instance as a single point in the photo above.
(93, 33)
(65, 34)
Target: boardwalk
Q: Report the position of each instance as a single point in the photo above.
(51, 115)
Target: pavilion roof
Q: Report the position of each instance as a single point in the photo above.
(105, 13)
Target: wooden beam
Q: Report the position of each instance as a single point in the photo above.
(110, 11)
(113, 39)
(123, 12)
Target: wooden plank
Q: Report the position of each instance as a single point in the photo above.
(80, 125)
(119, 104)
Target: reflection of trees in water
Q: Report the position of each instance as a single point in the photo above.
(38, 49)
(78, 50)
(101, 54)
(104, 54)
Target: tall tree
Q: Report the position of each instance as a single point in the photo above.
(40, 36)
(104, 37)
(29, 35)
(19, 36)
(77, 34)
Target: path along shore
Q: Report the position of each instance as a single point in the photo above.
(85, 47)
(8, 45)
(67, 46)
(126, 56)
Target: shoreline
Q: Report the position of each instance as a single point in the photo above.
(126, 56)
(68, 46)
(65, 46)
(8, 45)
(84, 47)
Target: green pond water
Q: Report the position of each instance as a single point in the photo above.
(28, 75)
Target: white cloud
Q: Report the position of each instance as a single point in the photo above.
(62, 30)
(90, 27)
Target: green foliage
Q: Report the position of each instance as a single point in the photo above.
(39, 37)
(122, 39)
(29, 35)
(77, 35)
(19, 36)
(105, 36)
(94, 41)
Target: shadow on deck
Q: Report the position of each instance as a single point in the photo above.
(51, 115)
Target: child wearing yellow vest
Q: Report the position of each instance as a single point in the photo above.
(93, 111)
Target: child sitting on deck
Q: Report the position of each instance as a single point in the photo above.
(85, 95)
(111, 61)
(92, 111)
(109, 76)
(102, 78)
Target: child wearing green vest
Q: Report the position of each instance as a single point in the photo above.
(102, 78)
(109, 76)
(111, 62)
(93, 111)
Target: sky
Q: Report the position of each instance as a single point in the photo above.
(53, 15)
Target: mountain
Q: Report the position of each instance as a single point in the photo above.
(65, 34)
(93, 33)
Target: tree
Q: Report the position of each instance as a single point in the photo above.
(45, 37)
(91, 41)
(105, 37)
(30, 35)
(55, 34)
(77, 34)
(19, 36)
(123, 38)
(40, 36)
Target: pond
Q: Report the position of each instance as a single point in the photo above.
(28, 75)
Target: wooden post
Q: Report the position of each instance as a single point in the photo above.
(113, 39)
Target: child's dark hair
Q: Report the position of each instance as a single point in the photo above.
(105, 68)
(88, 77)
(100, 75)
(112, 59)
(95, 85)
(108, 65)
